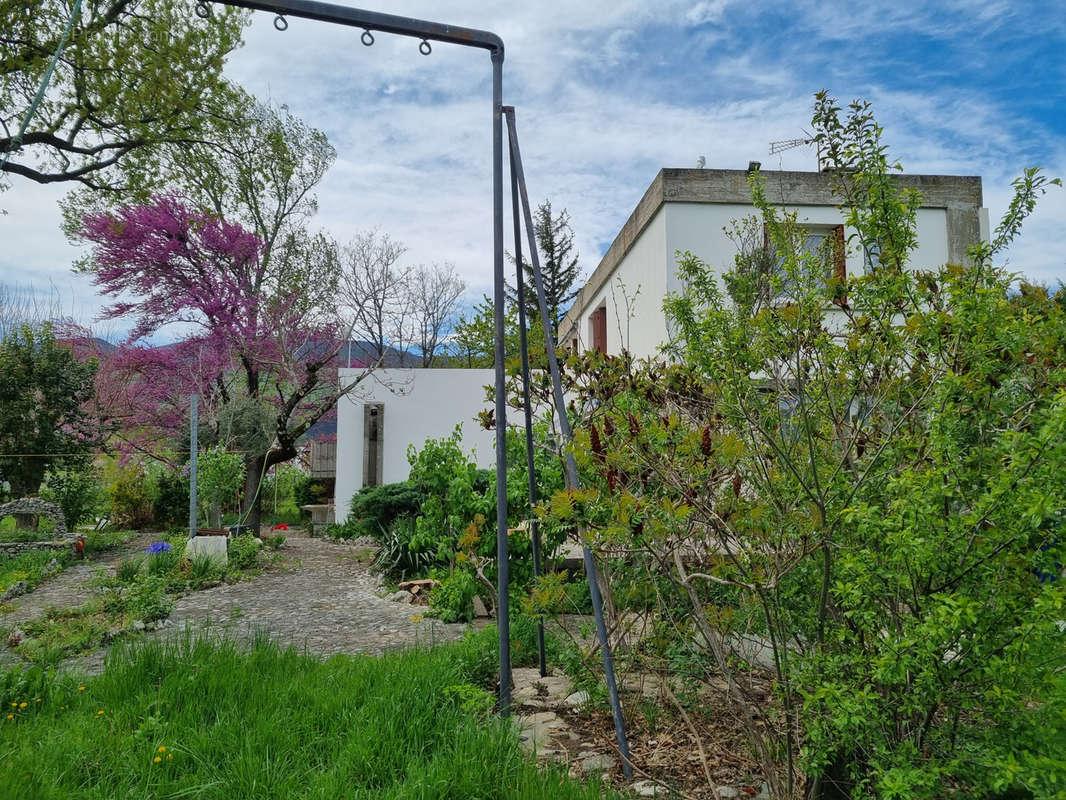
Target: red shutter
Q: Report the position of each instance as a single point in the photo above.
(598, 319)
(840, 267)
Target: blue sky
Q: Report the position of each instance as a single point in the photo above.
(607, 93)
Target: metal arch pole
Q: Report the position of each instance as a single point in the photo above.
(523, 338)
(503, 576)
(485, 40)
(571, 465)
(194, 437)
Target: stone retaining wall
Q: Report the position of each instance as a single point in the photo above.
(17, 548)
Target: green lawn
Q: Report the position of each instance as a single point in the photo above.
(201, 720)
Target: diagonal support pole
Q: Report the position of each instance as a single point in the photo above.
(523, 338)
(571, 465)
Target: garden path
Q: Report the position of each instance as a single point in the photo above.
(318, 594)
(322, 596)
(73, 586)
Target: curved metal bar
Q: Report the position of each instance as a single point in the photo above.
(375, 21)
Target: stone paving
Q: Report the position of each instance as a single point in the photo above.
(321, 595)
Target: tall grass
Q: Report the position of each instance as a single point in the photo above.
(263, 723)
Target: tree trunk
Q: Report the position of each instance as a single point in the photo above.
(253, 503)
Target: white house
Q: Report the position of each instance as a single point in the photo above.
(689, 210)
(395, 408)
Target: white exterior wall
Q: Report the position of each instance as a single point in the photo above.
(419, 404)
(642, 268)
(699, 228)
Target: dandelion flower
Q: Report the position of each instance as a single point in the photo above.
(170, 756)
(100, 713)
(156, 760)
(415, 619)
(81, 688)
(38, 699)
(14, 705)
(162, 749)
(10, 716)
(23, 704)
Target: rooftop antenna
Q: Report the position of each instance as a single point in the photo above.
(781, 145)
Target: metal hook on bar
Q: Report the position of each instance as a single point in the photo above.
(425, 48)
(280, 23)
(203, 10)
(367, 38)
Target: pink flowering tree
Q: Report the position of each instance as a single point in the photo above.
(261, 358)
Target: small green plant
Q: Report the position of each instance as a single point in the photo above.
(163, 563)
(203, 569)
(243, 552)
(472, 700)
(147, 599)
(129, 569)
(453, 599)
(274, 542)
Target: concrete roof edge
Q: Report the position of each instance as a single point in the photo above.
(730, 186)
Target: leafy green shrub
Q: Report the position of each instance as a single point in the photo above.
(147, 599)
(131, 507)
(129, 568)
(169, 491)
(453, 598)
(221, 478)
(373, 510)
(243, 552)
(446, 477)
(274, 542)
(76, 492)
(477, 656)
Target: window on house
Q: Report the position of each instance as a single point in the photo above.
(822, 241)
(598, 329)
(871, 256)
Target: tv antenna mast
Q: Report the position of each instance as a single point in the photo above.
(781, 145)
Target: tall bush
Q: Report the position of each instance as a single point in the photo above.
(852, 487)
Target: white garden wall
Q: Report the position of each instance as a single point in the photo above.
(418, 404)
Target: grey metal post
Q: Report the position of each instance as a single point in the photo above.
(503, 578)
(523, 338)
(194, 436)
(571, 465)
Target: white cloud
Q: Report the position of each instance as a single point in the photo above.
(606, 93)
(706, 11)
